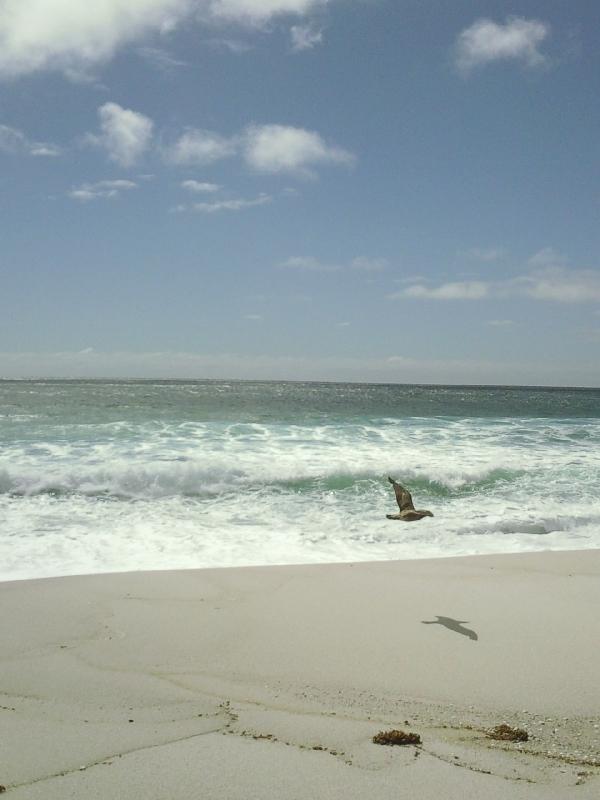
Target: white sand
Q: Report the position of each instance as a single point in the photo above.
(270, 682)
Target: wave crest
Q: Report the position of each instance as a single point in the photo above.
(193, 479)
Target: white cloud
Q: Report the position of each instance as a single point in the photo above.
(459, 290)
(265, 148)
(126, 134)
(285, 149)
(501, 323)
(72, 36)
(486, 41)
(309, 264)
(305, 37)
(44, 149)
(200, 188)
(92, 191)
(259, 11)
(200, 147)
(553, 283)
(547, 257)
(237, 204)
(561, 285)
(160, 58)
(254, 317)
(14, 142)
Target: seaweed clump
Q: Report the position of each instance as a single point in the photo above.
(396, 737)
(505, 733)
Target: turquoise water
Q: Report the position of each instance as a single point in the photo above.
(118, 475)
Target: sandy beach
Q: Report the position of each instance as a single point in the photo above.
(270, 682)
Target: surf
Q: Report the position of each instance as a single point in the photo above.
(123, 476)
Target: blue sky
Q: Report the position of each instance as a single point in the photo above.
(389, 190)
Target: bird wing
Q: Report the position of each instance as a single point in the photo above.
(403, 496)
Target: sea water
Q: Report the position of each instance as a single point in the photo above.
(100, 476)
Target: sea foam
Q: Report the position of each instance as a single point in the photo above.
(159, 488)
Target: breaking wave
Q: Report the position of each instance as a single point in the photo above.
(197, 481)
(154, 482)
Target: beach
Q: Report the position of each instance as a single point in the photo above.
(154, 645)
(270, 682)
(279, 277)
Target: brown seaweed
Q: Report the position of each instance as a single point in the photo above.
(505, 733)
(396, 737)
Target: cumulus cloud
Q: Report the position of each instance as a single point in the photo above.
(265, 148)
(14, 142)
(125, 135)
(285, 149)
(67, 35)
(200, 188)
(92, 191)
(486, 41)
(72, 36)
(202, 147)
(305, 37)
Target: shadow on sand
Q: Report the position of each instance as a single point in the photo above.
(455, 625)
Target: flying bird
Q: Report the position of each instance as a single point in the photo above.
(408, 513)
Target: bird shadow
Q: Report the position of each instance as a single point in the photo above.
(455, 625)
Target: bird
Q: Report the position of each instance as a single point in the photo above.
(408, 513)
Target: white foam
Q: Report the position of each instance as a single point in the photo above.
(123, 497)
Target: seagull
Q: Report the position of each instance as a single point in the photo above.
(408, 513)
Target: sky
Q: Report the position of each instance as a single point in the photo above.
(365, 190)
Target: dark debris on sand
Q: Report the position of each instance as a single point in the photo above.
(505, 733)
(396, 737)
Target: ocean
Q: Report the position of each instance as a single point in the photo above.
(103, 476)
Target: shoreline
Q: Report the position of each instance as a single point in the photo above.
(265, 682)
(282, 565)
